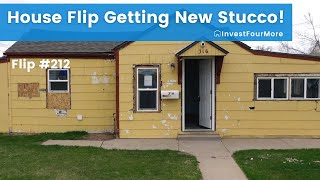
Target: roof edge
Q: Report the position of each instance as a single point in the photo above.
(61, 54)
(277, 54)
(122, 45)
(126, 43)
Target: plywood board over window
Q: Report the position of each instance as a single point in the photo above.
(28, 90)
(58, 101)
(58, 84)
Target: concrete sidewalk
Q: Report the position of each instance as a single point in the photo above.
(215, 160)
(214, 155)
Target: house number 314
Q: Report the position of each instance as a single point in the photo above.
(203, 51)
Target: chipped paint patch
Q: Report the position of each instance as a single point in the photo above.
(154, 126)
(224, 130)
(226, 117)
(95, 79)
(172, 117)
(166, 85)
(172, 81)
(127, 131)
(164, 121)
(130, 117)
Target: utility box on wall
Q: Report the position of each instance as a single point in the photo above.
(172, 94)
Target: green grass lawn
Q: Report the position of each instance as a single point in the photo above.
(22, 157)
(280, 164)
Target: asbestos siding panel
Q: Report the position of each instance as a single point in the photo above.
(4, 103)
(92, 95)
(167, 123)
(235, 96)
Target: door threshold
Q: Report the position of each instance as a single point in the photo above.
(198, 130)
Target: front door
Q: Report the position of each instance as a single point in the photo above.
(205, 93)
(198, 87)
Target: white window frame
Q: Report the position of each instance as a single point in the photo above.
(272, 88)
(305, 88)
(49, 81)
(147, 89)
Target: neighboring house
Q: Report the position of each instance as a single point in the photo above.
(4, 101)
(161, 90)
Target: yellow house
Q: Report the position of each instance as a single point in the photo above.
(160, 90)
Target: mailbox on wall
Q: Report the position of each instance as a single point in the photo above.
(172, 94)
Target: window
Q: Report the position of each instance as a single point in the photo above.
(272, 88)
(147, 87)
(312, 87)
(264, 88)
(280, 90)
(58, 80)
(305, 88)
(288, 87)
(297, 88)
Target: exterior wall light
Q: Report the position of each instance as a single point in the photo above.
(173, 66)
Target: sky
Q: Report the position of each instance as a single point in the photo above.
(300, 8)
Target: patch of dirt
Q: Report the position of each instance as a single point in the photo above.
(99, 136)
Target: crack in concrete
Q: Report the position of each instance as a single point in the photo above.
(101, 144)
(287, 143)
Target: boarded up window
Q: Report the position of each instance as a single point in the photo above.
(28, 90)
(58, 101)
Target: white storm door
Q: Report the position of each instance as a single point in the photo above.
(205, 89)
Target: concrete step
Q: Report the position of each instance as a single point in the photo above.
(198, 136)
